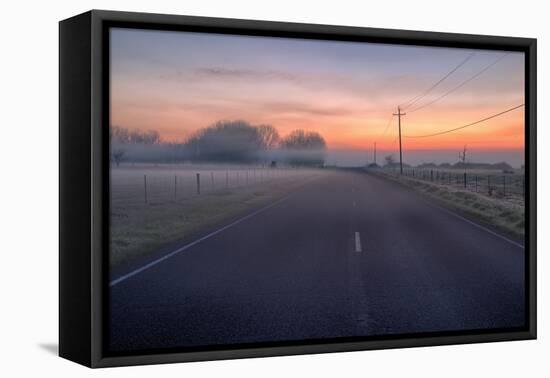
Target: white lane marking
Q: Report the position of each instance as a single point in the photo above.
(477, 225)
(357, 242)
(187, 246)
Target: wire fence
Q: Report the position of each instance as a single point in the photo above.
(505, 185)
(156, 185)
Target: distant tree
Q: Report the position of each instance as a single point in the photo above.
(304, 148)
(462, 157)
(118, 156)
(304, 140)
(147, 137)
(390, 160)
(121, 135)
(427, 165)
(269, 136)
(226, 141)
(462, 154)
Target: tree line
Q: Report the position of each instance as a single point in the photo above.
(224, 141)
(390, 162)
(121, 135)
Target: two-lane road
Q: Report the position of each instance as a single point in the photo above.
(349, 254)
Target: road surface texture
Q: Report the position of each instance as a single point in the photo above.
(350, 254)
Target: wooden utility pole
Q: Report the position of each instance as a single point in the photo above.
(374, 153)
(399, 114)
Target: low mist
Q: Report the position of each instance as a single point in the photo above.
(239, 142)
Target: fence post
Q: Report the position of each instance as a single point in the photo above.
(504, 186)
(198, 183)
(227, 178)
(175, 187)
(465, 182)
(145, 186)
(246, 176)
(212, 179)
(431, 174)
(476, 183)
(489, 184)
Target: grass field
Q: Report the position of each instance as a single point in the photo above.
(157, 205)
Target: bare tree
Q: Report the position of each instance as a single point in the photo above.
(119, 135)
(462, 155)
(462, 158)
(307, 140)
(304, 148)
(269, 136)
(118, 156)
(226, 141)
(147, 137)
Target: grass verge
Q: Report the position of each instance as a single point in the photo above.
(507, 217)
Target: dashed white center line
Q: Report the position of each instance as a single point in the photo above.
(357, 242)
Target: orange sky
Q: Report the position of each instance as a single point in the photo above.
(177, 83)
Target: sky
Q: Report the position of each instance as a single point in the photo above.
(179, 82)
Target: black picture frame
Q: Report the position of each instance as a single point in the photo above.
(84, 183)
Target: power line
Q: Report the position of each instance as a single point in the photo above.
(422, 95)
(458, 86)
(468, 125)
(388, 125)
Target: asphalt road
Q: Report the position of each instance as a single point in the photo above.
(349, 254)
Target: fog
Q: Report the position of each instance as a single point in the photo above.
(241, 142)
(354, 158)
(172, 153)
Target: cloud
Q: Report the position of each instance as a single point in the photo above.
(246, 74)
(303, 108)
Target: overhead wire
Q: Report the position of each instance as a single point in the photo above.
(417, 98)
(458, 86)
(464, 126)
